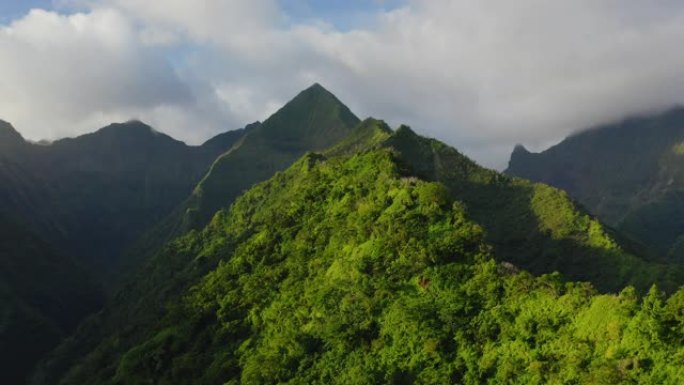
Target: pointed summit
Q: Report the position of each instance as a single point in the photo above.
(317, 87)
(315, 90)
(8, 133)
(314, 120)
(520, 149)
(11, 142)
(309, 121)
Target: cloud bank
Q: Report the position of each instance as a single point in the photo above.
(479, 74)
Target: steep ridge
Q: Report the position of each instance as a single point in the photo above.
(225, 141)
(374, 262)
(93, 195)
(532, 225)
(43, 296)
(312, 121)
(630, 174)
(11, 142)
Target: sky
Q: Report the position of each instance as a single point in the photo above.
(481, 75)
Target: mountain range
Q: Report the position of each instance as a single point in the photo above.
(92, 196)
(630, 174)
(314, 247)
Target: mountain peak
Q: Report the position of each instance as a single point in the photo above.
(11, 141)
(131, 126)
(317, 88)
(405, 130)
(8, 133)
(309, 120)
(520, 159)
(520, 149)
(132, 130)
(313, 93)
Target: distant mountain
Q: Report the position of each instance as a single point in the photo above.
(43, 296)
(93, 195)
(225, 141)
(388, 257)
(11, 142)
(314, 120)
(630, 174)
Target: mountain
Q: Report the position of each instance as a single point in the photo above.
(43, 296)
(225, 141)
(630, 174)
(387, 258)
(313, 120)
(92, 196)
(11, 142)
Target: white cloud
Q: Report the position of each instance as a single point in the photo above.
(479, 74)
(60, 73)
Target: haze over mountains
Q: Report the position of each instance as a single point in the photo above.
(630, 174)
(318, 248)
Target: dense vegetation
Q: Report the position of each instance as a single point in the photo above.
(387, 260)
(92, 196)
(630, 174)
(533, 225)
(312, 121)
(380, 257)
(43, 296)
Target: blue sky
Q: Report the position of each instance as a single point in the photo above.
(13, 9)
(343, 14)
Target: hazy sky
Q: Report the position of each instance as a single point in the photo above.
(481, 75)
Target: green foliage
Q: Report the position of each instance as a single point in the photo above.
(628, 173)
(534, 226)
(314, 120)
(349, 270)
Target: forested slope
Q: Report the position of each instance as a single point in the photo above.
(376, 262)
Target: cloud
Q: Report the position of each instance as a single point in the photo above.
(479, 74)
(486, 74)
(58, 71)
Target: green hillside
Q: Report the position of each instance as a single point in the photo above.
(533, 225)
(386, 259)
(312, 121)
(630, 174)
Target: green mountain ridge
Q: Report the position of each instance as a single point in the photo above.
(312, 121)
(630, 174)
(374, 262)
(92, 196)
